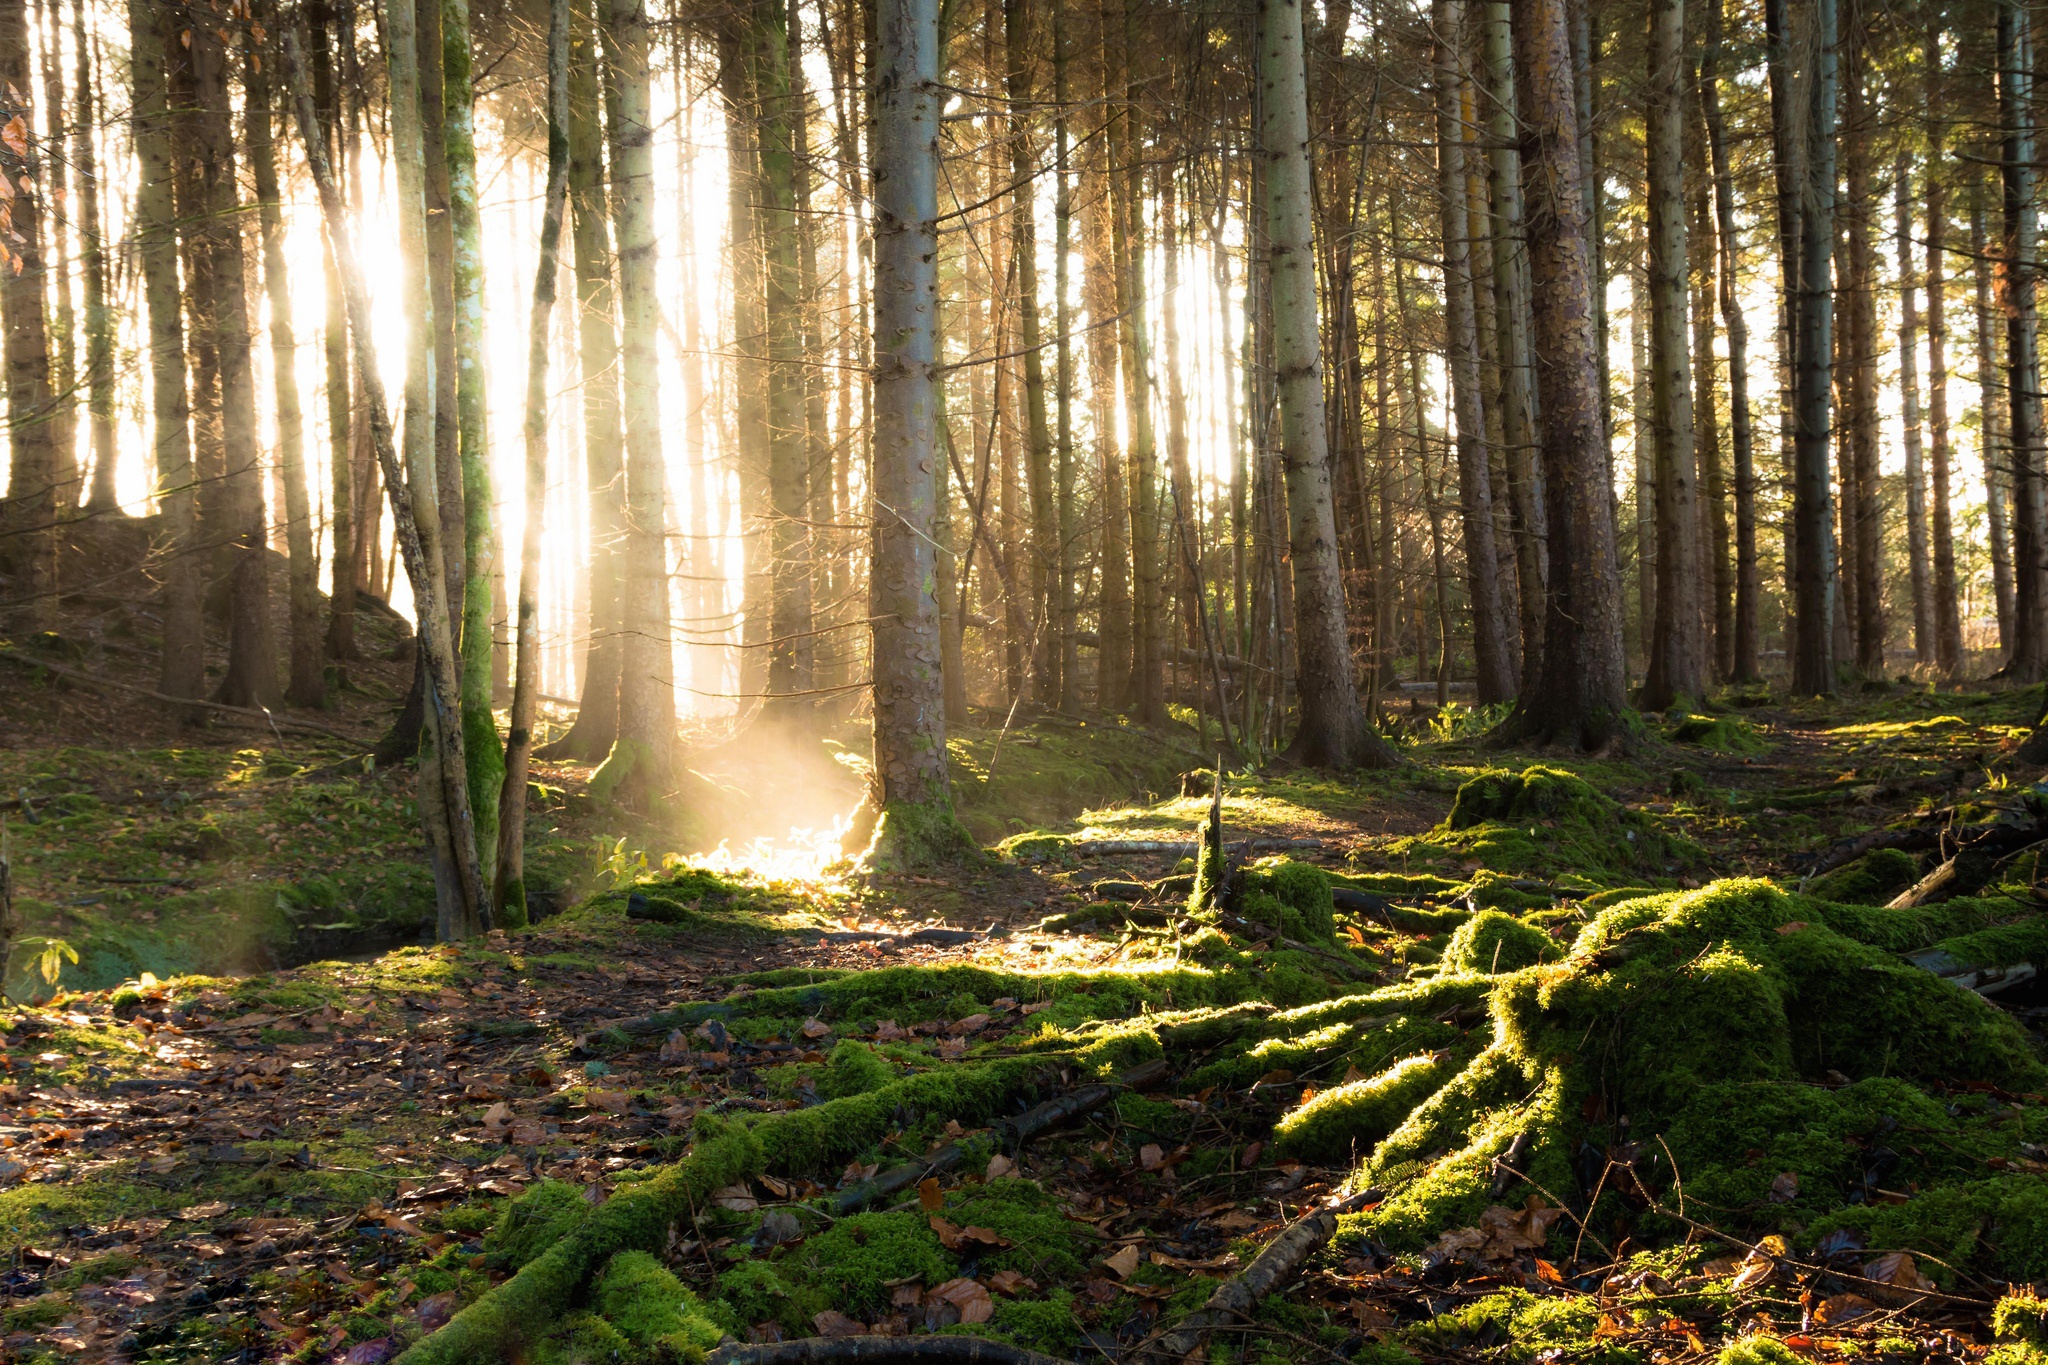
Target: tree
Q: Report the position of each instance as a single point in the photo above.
(99, 318)
(1582, 699)
(1813, 511)
(913, 796)
(2022, 352)
(1948, 626)
(1333, 731)
(34, 485)
(1678, 662)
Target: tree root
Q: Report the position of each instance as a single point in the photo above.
(919, 1350)
(1270, 1269)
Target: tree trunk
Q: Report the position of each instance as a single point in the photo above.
(1858, 290)
(1066, 592)
(1742, 654)
(1787, 173)
(1991, 429)
(641, 761)
(1496, 667)
(343, 496)
(182, 671)
(2022, 352)
(1717, 547)
(63, 319)
(1038, 455)
(481, 747)
(1127, 229)
(441, 277)
(913, 795)
(1583, 699)
(251, 676)
(509, 899)
(307, 683)
(1678, 666)
(99, 318)
(1948, 627)
(597, 716)
(1909, 410)
(1334, 732)
(1098, 296)
(1813, 669)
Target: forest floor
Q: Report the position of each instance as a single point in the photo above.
(208, 1156)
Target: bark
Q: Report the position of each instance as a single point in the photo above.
(33, 485)
(509, 885)
(481, 746)
(1583, 697)
(752, 431)
(441, 280)
(1858, 292)
(251, 675)
(642, 759)
(1909, 408)
(1127, 231)
(910, 729)
(99, 318)
(63, 319)
(1678, 664)
(597, 716)
(1495, 667)
(2022, 352)
(343, 497)
(1038, 456)
(1991, 429)
(1948, 628)
(1743, 648)
(1787, 175)
(1813, 669)
(1098, 285)
(1717, 548)
(1066, 592)
(447, 820)
(182, 670)
(306, 683)
(1333, 731)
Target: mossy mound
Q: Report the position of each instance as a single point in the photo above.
(1767, 1044)
(533, 1222)
(1544, 820)
(1492, 942)
(1345, 1122)
(1872, 879)
(1724, 734)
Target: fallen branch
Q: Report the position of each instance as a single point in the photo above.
(274, 721)
(918, 1350)
(1103, 848)
(1270, 1269)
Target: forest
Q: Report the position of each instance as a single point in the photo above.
(854, 682)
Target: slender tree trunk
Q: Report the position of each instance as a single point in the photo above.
(63, 319)
(182, 671)
(509, 900)
(752, 430)
(1334, 732)
(99, 318)
(1496, 667)
(1678, 665)
(1127, 219)
(641, 761)
(251, 676)
(1909, 409)
(1066, 592)
(1787, 173)
(2022, 349)
(306, 684)
(597, 716)
(913, 795)
(1583, 697)
(1813, 668)
(1858, 291)
(1948, 626)
(343, 495)
(1991, 430)
(1038, 454)
(1113, 658)
(1743, 647)
(1717, 547)
(441, 274)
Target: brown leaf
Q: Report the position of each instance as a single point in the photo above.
(1784, 1187)
(1897, 1270)
(1249, 1157)
(737, 1198)
(610, 1101)
(1123, 1261)
(928, 1196)
(1000, 1166)
(1150, 1156)
(973, 1023)
(815, 1027)
(1010, 1281)
(527, 1133)
(887, 1031)
(1841, 1308)
(970, 1297)
(833, 1323)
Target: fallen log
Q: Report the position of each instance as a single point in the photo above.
(1271, 1268)
(1105, 848)
(871, 1350)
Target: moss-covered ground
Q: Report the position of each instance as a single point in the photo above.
(1626, 1082)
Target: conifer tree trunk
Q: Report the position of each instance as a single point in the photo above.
(1333, 732)
(1743, 647)
(1909, 410)
(1717, 564)
(509, 885)
(1991, 429)
(441, 275)
(306, 683)
(99, 318)
(1813, 668)
(1038, 456)
(63, 318)
(1948, 627)
(1787, 174)
(1495, 667)
(1066, 592)
(2022, 350)
(1677, 647)
(913, 796)
(1582, 699)
(182, 667)
(251, 676)
(33, 485)
(597, 716)
(1098, 296)
(1864, 506)
(1127, 227)
(752, 430)
(639, 766)
(343, 496)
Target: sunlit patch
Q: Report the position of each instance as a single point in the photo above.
(802, 855)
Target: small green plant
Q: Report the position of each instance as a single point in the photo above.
(614, 862)
(51, 955)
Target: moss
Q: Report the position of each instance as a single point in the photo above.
(584, 1339)
(1035, 846)
(2000, 1223)
(1306, 890)
(912, 836)
(2021, 1317)
(1348, 1121)
(1492, 942)
(535, 1221)
(1758, 1350)
(1872, 879)
(1045, 1244)
(1725, 734)
(647, 1305)
(1523, 1326)
(754, 1292)
(854, 1069)
(1544, 819)
(1048, 1325)
(850, 1265)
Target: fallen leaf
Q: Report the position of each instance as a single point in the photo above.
(928, 1196)
(1123, 1262)
(737, 1198)
(1548, 1272)
(1249, 1157)
(610, 1101)
(1794, 927)
(815, 1027)
(1150, 1156)
(1784, 1187)
(1841, 1308)
(1010, 1281)
(999, 1166)
(833, 1323)
(973, 1023)
(1897, 1270)
(970, 1297)
(199, 1213)
(527, 1133)
(886, 1031)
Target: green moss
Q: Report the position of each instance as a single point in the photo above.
(1758, 1350)
(1035, 846)
(1543, 820)
(1048, 1325)
(1348, 1121)
(1872, 879)
(1522, 1326)
(1045, 1244)
(647, 1305)
(754, 1292)
(854, 1069)
(849, 1266)
(1306, 890)
(535, 1221)
(1493, 942)
(913, 836)
(1725, 734)
(2021, 1318)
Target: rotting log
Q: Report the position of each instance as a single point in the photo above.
(1269, 1270)
(874, 1350)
